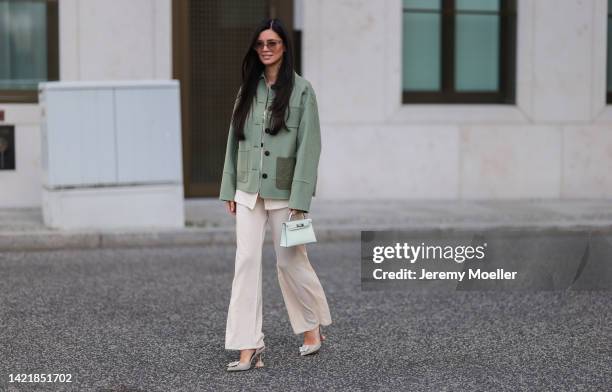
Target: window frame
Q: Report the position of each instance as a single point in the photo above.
(31, 96)
(506, 93)
(608, 48)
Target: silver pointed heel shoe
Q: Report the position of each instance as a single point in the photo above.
(257, 356)
(307, 349)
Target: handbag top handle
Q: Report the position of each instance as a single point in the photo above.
(290, 213)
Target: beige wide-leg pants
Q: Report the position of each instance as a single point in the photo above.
(303, 294)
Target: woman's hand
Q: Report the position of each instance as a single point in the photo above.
(295, 212)
(231, 206)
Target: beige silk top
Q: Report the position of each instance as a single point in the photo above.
(249, 199)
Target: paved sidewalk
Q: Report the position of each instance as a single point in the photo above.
(207, 221)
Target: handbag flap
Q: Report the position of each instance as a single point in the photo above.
(298, 224)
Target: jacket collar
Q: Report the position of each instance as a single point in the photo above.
(263, 76)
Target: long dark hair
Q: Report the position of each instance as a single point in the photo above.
(251, 70)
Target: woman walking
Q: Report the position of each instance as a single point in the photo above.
(270, 172)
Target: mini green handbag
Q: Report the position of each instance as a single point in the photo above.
(297, 232)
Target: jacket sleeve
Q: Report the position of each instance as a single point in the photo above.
(308, 153)
(228, 179)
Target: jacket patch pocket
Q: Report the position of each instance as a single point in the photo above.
(242, 166)
(292, 120)
(284, 172)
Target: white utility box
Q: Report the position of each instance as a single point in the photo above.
(111, 154)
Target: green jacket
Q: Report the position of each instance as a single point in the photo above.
(281, 166)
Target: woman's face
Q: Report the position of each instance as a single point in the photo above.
(272, 52)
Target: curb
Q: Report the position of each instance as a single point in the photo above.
(56, 240)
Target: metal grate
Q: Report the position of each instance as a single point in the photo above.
(210, 39)
(220, 33)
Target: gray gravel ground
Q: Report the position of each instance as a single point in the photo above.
(154, 320)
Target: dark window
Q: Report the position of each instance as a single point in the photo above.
(458, 51)
(28, 48)
(7, 147)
